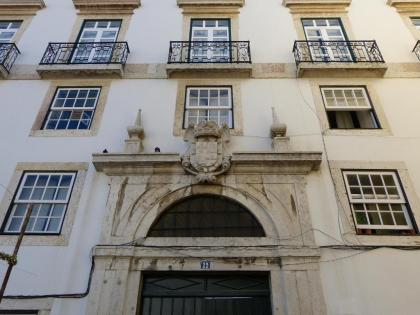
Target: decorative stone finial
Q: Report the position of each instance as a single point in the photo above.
(135, 135)
(278, 134)
(206, 157)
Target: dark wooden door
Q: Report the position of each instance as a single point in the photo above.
(206, 294)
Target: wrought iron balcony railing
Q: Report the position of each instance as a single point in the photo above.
(416, 49)
(8, 54)
(209, 52)
(337, 51)
(86, 53)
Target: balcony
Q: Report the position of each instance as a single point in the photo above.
(416, 49)
(8, 54)
(97, 58)
(338, 58)
(195, 57)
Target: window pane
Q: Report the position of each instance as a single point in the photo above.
(385, 205)
(71, 98)
(46, 204)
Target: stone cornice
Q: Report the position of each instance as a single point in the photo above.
(242, 163)
(106, 6)
(20, 7)
(405, 5)
(317, 6)
(210, 6)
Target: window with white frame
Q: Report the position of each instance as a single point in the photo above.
(8, 30)
(72, 108)
(349, 108)
(377, 200)
(416, 22)
(208, 103)
(49, 193)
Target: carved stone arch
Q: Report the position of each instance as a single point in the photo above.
(252, 204)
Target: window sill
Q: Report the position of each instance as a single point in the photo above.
(385, 240)
(35, 240)
(357, 132)
(63, 133)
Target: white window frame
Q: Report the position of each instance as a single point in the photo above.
(9, 29)
(39, 202)
(347, 107)
(209, 108)
(53, 108)
(89, 52)
(366, 200)
(202, 52)
(416, 22)
(325, 52)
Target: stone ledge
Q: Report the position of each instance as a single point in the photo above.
(341, 69)
(405, 5)
(205, 251)
(106, 6)
(190, 70)
(182, 3)
(77, 70)
(3, 73)
(314, 6)
(242, 163)
(20, 7)
(210, 6)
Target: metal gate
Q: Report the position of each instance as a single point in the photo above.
(206, 294)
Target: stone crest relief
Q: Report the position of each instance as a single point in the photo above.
(206, 157)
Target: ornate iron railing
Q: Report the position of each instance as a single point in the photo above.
(416, 49)
(8, 54)
(86, 53)
(336, 51)
(209, 52)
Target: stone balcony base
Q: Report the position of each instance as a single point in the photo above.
(3, 72)
(241, 70)
(76, 70)
(341, 69)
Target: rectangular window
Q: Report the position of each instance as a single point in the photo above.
(208, 103)
(327, 40)
(210, 40)
(377, 200)
(72, 108)
(8, 30)
(416, 22)
(50, 195)
(96, 41)
(349, 108)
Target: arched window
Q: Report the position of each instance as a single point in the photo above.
(206, 216)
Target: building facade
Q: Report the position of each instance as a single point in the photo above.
(210, 156)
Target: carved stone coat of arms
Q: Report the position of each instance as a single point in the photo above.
(206, 157)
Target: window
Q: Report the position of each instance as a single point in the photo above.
(208, 103)
(72, 108)
(317, 31)
(416, 22)
(96, 32)
(8, 30)
(207, 216)
(211, 40)
(377, 201)
(49, 193)
(349, 108)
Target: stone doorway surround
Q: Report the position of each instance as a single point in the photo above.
(269, 184)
